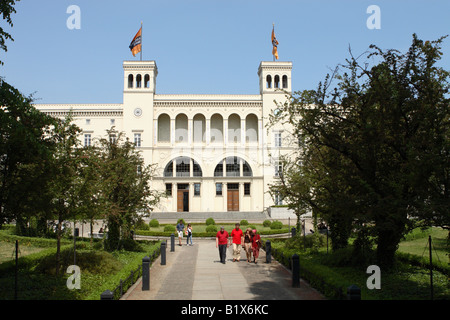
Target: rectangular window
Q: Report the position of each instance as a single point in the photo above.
(218, 189)
(278, 168)
(168, 189)
(246, 189)
(183, 167)
(278, 200)
(196, 189)
(137, 139)
(87, 140)
(112, 138)
(277, 139)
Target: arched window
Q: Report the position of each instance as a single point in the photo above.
(138, 81)
(130, 81)
(216, 128)
(269, 81)
(147, 81)
(234, 128)
(183, 168)
(164, 128)
(199, 128)
(233, 168)
(181, 128)
(285, 82)
(276, 82)
(251, 128)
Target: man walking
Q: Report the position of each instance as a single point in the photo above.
(222, 243)
(180, 229)
(237, 237)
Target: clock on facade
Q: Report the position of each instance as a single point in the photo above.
(137, 112)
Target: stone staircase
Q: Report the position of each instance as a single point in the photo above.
(230, 216)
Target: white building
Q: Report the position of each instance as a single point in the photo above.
(214, 152)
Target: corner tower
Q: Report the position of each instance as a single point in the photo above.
(138, 95)
(275, 87)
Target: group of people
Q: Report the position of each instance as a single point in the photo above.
(251, 241)
(187, 232)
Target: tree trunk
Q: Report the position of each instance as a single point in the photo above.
(58, 245)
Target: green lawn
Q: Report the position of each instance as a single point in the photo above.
(100, 270)
(408, 280)
(8, 249)
(417, 243)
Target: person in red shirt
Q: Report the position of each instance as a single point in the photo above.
(222, 243)
(237, 237)
(256, 245)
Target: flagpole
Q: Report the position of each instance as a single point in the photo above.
(273, 30)
(142, 38)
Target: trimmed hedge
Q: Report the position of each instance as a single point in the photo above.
(203, 234)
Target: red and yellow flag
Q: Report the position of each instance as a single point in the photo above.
(136, 44)
(274, 44)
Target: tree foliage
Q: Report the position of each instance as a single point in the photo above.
(375, 148)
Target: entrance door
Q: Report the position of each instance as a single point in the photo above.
(233, 197)
(183, 198)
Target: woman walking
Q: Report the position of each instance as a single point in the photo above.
(248, 243)
(188, 234)
(256, 245)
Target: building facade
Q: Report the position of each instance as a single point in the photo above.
(214, 153)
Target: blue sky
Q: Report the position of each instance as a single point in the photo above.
(200, 46)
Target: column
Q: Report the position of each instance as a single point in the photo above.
(241, 196)
(190, 131)
(208, 131)
(260, 133)
(225, 132)
(155, 131)
(243, 128)
(225, 196)
(174, 197)
(172, 131)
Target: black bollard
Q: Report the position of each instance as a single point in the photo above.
(172, 242)
(145, 273)
(353, 292)
(268, 251)
(293, 232)
(295, 271)
(107, 295)
(163, 253)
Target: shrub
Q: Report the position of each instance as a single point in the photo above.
(182, 221)
(267, 223)
(210, 221)
(244, 222)
(143, 226)
(276, 225)
(211, 228)
(169, 228)
(154, 223)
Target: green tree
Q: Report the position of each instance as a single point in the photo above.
(377, 144)
(125, 187)
(64, 187)
(26, 146)
(6, 10)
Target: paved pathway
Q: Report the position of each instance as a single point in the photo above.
(195, 273)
